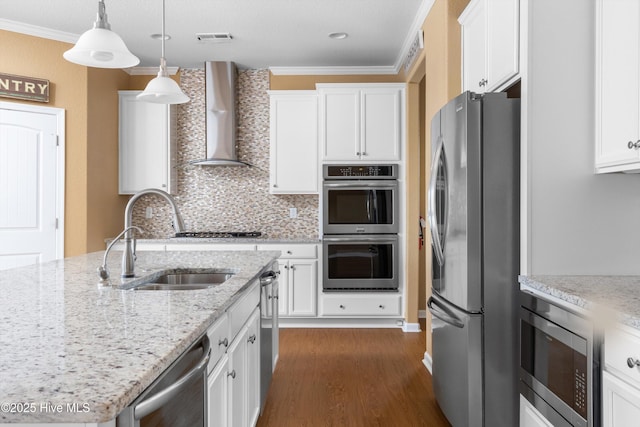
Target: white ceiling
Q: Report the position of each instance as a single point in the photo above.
(266, 33)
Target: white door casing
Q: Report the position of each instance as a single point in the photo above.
(31, 184)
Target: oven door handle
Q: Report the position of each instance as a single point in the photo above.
(444, 314)
(361, 184)
(156, 401)
(359, 238)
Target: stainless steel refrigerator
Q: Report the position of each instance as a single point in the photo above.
(474, 216)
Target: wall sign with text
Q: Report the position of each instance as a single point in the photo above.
(19, 87)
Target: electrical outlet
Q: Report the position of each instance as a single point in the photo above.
(148, 213)
(293, 213)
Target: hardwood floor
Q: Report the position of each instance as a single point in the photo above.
(351, 377)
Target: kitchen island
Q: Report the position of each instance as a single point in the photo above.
(76, 351)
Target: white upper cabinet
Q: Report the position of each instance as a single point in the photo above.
(617, 97)
(294, 142)
(146, 145)
(490, 44)
(361, 122)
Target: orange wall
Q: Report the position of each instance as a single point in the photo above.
(93, 210)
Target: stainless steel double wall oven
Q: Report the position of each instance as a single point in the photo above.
(360, 228)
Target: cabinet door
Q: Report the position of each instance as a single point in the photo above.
(530, 417)
(340, 124)
(237, 376)
(145, 145)
(473, 21)
(283, 288)
(620, 402)
(294, 143)
(503, 41)
(253, 368)
(218, 401)
(302, 287)
(617, 84)
(381, 124)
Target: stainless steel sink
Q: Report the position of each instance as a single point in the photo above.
(172, 281)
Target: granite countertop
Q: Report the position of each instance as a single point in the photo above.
(67, 340)
(611, 296)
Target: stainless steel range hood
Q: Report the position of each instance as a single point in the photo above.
(220, 104)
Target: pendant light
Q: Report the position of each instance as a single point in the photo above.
(163, 89)
(100, 47)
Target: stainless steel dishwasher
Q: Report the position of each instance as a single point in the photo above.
(177, 398)
(269, 329)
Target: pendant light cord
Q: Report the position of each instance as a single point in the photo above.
(163, 34)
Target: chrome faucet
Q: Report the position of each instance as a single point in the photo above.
(103, 271)
(128, 256)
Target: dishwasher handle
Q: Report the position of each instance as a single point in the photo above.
(444, 314)
(156, 401)
(269, 277)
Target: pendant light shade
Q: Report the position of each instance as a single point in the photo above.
(163, 89)
(100, 47)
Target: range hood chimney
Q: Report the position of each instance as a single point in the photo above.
(220, 104)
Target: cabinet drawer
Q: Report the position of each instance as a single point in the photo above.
(292, 251)
(361, 305)
(620, 345)
(218, 334)
(210, 247)
(242, 309)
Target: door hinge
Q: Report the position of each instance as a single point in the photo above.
(57, 140)
(57, 223)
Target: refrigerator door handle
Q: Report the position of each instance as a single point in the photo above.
(432, 198)
(444, 314)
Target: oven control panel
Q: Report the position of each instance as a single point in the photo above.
(360, 172)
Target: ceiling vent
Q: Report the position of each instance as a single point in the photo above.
(214, 37)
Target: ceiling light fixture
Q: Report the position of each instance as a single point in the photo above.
(100, 47)
(163, 89)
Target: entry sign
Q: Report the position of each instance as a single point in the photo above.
(20, 87)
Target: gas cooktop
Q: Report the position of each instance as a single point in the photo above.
(219, 234)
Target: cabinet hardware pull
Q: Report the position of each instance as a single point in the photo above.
(483, 82)
(364, 153)
(252, 339)
(633, 145)
(342, 306)
(232, 374)
(381, 306)
(224, 342)
(632, 363)
(275, 185)
(289, 252)
(358, 153)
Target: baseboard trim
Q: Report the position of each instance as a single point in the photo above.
(427, 362)
(323, 322)
(411, 327)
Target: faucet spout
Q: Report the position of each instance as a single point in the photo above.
(103, 271)
(128, 257)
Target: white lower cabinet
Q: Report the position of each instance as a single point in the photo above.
(298, 281)
(530, 416)
(234, 370)
(620, 402)
(621, 378)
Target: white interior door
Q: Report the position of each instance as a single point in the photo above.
(31, 171)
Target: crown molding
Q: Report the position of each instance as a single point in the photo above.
(288, 71)
(418, 21)
(34, 30)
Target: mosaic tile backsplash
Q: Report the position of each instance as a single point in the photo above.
(224, 198)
